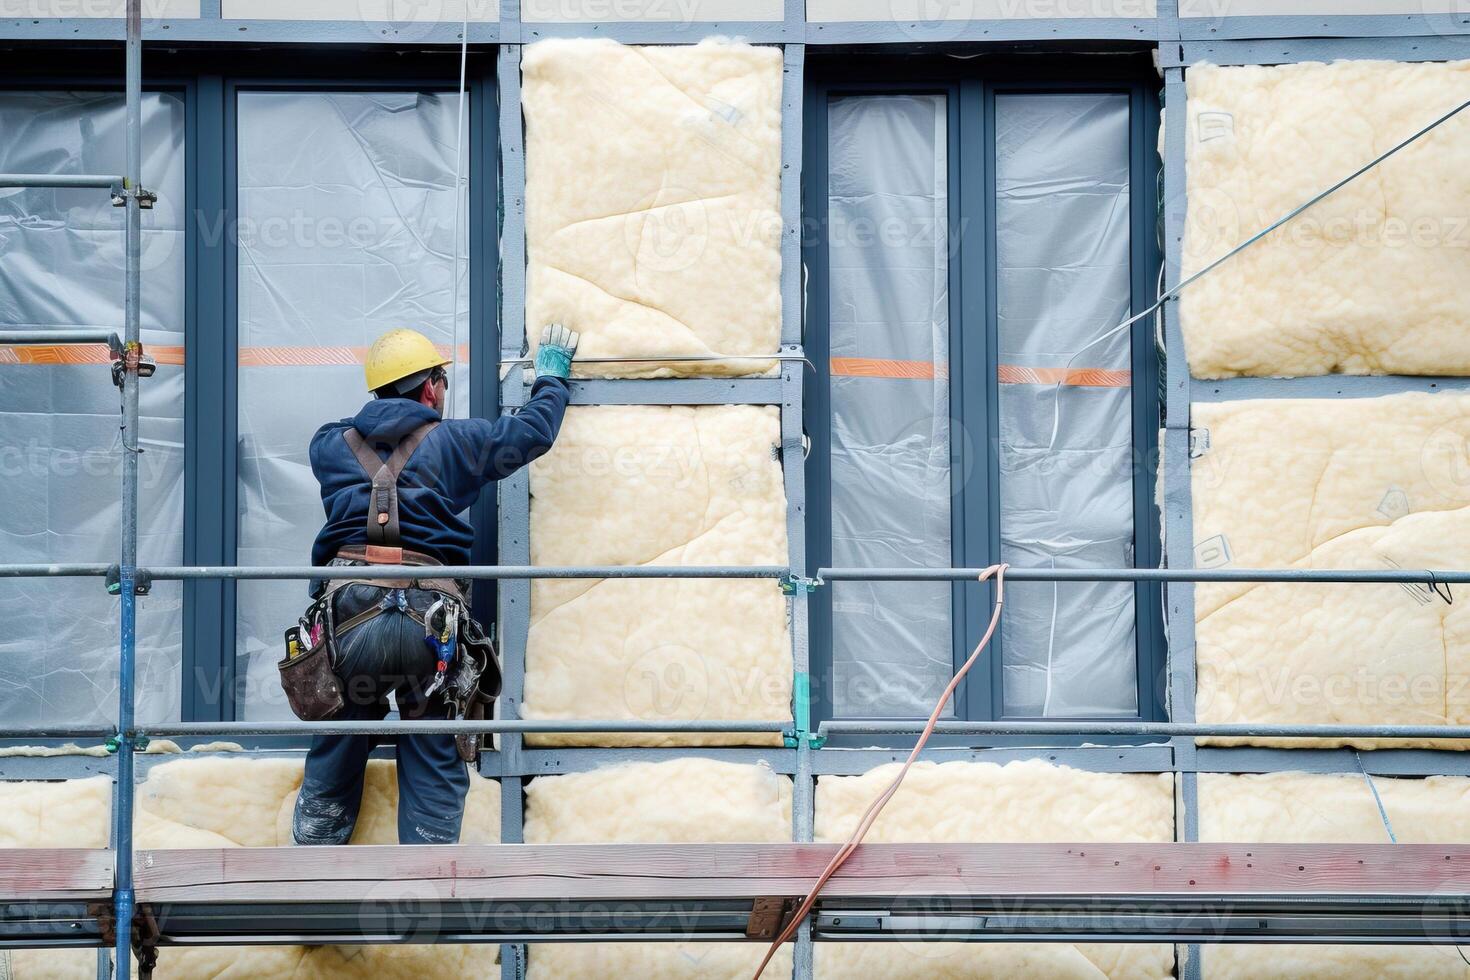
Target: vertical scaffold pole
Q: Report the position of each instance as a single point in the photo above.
(128, 561)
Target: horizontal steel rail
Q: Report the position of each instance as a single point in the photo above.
(1160, 729)
(1401, 576)
(466, 571)
(61, 180)
(1340, 576)
(189, 729)
(24, 337)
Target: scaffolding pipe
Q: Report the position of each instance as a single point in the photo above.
(60, 180)
(485, 727)
(1134, 729)
(163, 573)
(1356, 576)
(58, 731)
(128, 559)
(17, 338)
(1296, 575)
(1161, 729)
(57, 570)
(1401, 576)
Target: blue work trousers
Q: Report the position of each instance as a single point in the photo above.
(385, 654)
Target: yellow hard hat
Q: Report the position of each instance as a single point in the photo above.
(400, 354)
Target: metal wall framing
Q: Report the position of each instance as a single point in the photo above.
(1179, 42)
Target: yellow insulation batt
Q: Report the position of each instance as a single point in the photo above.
(653, 183)
(980, 802)
(682, 801)
(1291, 808)
(1351, 483)
(653, 485)
(232, 802)
(1374, 279)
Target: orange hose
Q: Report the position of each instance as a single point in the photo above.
(876, 807)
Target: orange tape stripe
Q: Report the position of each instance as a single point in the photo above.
(1012, 374)
(322, 356)
(874, 367)
(248, 357)
(79, 354)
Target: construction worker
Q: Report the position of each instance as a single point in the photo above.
(395, 480)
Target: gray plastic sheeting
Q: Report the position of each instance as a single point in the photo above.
(1066, 451)
(61, 266)
(887, 212)
(347, 225)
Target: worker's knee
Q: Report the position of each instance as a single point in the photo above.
(417, 825)
(322, 821)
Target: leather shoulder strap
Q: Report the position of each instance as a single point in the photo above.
(384, 540)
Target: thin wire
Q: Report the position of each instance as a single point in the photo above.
(674, 357)
(464, 55)
(876, 807)
(1051, 642)
(1382, 813)
(1177, 289)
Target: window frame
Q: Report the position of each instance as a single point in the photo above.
(482, 135)
(970, 89)
(208, 82)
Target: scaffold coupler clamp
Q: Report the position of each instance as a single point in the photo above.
(128, 358)
(801, 711)
(793, 584)
(146, 936)
(114, 742)
(146, 198)
(142, 581)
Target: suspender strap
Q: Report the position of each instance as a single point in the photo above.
(384, 540)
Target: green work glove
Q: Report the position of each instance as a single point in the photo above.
(554, 356)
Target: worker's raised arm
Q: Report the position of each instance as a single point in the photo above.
(494, 449)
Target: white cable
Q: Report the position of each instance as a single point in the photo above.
(1051, 642)
(1258, 236)
(464, 54)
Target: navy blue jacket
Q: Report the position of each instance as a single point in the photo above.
(443, 476)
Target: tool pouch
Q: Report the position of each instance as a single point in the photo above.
(312, 687)
(476, 684)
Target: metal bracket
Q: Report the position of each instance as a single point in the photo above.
(1199, 442)
(142, 581)
(128, 357)
(801, 704)
(146, 198)
(768, 916)
(792, 584)
(106, 916)
(146, 936)
(792, 737)
(114, 742)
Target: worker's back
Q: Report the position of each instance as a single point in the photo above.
(442, 478)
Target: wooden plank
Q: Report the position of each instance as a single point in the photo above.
(35, 874)
(599, 872)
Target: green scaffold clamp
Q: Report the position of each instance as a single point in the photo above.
(792, 584)
(801, 700)
(114, 742)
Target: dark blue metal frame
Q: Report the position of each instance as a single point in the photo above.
(187, 88)
(974, 387)
(481, 135)
(210, 689)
